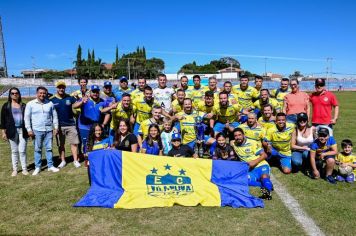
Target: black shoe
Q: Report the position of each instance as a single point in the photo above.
(266, 194)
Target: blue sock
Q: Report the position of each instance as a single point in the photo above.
(266, 182)
(253, 182)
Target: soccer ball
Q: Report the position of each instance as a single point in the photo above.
(345, 170)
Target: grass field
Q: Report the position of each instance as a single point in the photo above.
(43, 204)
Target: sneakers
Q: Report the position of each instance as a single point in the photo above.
(37, 170)
(266, 194)
(63, 164)
(330, 179)
(76, 164)
(24, 172)
(53, 169)
(14, 173)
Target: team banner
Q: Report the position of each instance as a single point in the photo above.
(133, 180)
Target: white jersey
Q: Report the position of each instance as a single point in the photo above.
(164, 97)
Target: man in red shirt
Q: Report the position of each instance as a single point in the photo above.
(323, 103)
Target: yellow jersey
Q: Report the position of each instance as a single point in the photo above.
(187, 125)
(136, 95)
(248, 151)
(279, 95)
(176, 106)
(145, 125)
(119, 113)
(196, 95)
(204, 108)
(245, 96)
(257, 133)
(143, 109)
(230, 113)
(281, 140)
(350, 159)
(272, 101)
(266, 124)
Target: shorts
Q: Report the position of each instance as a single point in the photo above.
(257, 172)
(320, 162)
(69, 132)
(286, 161)
(84, 135)
(219, 127)
(191, 144)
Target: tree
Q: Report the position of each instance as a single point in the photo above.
(211, 67)
(79, 62)
(116, 55)
(295, 75)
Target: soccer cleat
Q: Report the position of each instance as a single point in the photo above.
(76, 164)
(62, 164)
(266, 194)
(330, 179)
(37, 170)
(53, 169)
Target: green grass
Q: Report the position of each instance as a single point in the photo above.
(43, 204)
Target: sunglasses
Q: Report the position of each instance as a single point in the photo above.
(302, 120)
(16, 93)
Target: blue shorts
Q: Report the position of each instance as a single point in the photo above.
(257, 172)
(286, 161)
(191, 144)
(219, 127)
(136, 128)
(177, 126)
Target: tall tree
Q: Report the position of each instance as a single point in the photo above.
(144, 52)
(117, 55)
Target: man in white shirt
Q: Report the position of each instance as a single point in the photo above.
(163, 95)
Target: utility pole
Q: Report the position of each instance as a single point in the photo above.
(3, 66)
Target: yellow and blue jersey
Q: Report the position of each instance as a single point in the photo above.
(176, 106)
(143, 109)
(281, 140)
(136, 95)
(146, 124)
(120, 113)
(249, 151)
(230, 113)
(266, 124)
(187, 126)
(204, 108)
(273, 102)
(349, 159)
(245, 96)
(103, 144)
(90, 113)
(279, 95)
(196, 95)
(257, 133)
(118, 92)
(316, 146)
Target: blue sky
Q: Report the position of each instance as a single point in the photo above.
(293, 35)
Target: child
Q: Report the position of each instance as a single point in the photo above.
(179, 149)
(200, 128)
(323, 149)
(346, 159)
(223, 151)
(166, 135)
(152, 143)
(96, 141)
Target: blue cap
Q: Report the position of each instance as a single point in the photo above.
(107, 83)
(94, 87)
(123, 79)
(176, 136)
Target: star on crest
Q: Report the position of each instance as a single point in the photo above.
(182, 172)
(167, 167)
(154, 170)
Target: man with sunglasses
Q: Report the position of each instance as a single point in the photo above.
(63, 104)
(295, 102)
(323, 103)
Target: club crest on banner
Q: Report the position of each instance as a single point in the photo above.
(168, 185)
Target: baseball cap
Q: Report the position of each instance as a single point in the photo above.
(320, 82)
(60, 83)
(302, 116)
(323, 131)
(123, 79)
(107, 83)
(176, 136)
(94, 87)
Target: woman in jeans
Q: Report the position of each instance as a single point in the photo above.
(13, 129)
(302, 137)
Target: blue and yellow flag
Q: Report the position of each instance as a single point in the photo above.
(133, 180)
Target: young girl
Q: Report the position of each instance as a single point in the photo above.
(166, 135)
(223, 151)
(96, 141)
(124, 139)
(152, 143)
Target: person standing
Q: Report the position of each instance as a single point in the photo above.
(13, 129)
(41, 122)
(164, 95)
(295, 102)
(323, 103)
(122, 89)
(63, 104)
(281, 92)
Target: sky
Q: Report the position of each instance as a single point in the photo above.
(274, 36)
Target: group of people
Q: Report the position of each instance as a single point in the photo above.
(236, 123)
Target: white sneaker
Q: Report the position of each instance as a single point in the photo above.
(76, 164)
(24, 172)
(14, 173)
(53, 169)
(37, 170)
(63, 164)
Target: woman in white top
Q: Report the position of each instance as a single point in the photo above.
(302, 137)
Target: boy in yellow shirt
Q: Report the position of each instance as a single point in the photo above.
(346, 161)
